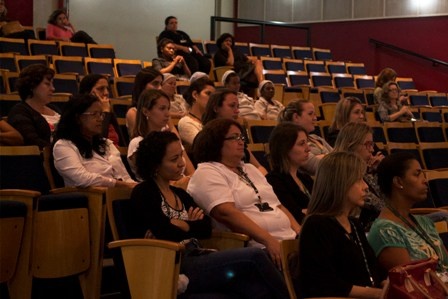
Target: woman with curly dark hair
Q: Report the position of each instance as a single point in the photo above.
(81, 155)
(34, 117)
(60, 28)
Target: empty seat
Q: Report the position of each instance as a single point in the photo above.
(434, 154)
(293, 65)
(315, 66)
(68, 65)
(281, 51)
(23, 61)
(322, 54)
(328, 95)
(343, 80)
(356, 68)
(271, 63)
(7, 62)
(418, 99)
(364, 81)
(101, 51)
(336, 67)
(127, 67)
(319, 79)
(438, 99)
(42, 47)
(303, 53)
(65, 83)
(101, 66)
(73, 49)
(406, 83)
(400, 132)
(13, 45)
(243, 47)
(260, 130)
(276, 76)
(123, 86)
(259, 50)
(431, 114)
(429, 132)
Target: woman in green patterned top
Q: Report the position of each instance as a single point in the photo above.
(397, 237)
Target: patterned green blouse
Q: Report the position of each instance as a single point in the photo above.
(386, 233)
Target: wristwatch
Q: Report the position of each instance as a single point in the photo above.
(190, 49)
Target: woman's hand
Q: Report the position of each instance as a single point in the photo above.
(105, 101)
(273, 249)
(405, 110)
(178, 59)
(375, 160)
(195, 214)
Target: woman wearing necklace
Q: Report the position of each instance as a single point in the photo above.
(398, 237)
(196, 97)
(288, 151)
(169, 213)
(236, 194)
(335, 259)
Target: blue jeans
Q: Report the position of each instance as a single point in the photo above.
(239, 273)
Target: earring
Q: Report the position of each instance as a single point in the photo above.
(401, 187)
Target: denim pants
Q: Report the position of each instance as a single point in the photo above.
(239, 273)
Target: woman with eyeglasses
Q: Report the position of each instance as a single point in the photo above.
(98, 85)
(224, 104)
(168, 213)
(236, 194)
(82, 156)
(391, 108)
(358, 138)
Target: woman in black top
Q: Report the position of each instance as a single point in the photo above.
(335, 259)
(169, 213)
(288, 150)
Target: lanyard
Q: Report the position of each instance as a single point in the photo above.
(358, 241)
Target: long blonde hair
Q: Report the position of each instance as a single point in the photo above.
(337, 172)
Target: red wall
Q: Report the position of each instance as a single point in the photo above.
(20, 11)
(349, 41)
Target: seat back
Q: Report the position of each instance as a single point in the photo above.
(7, 101)
(438, 186)
(259, 50)
(260, 153)
(293, 65)
(429, 132)
(101, 66)
(271, 63)
(276, 76)
(65, 83)
(61, 243)
(260, 130)
(400, 132)
(322, 54)
(281, 51)
(119, 213)
(438, 99)
(289, 252)
(101, 51)
(123, 86)
(151, 266)
(243, 48)
(24, 166)
(336, 67)
(13, 45)
(315, 66)
(127, 67)
(23, 61)
(434, 154)
(42, 47)
(343, 80)
(72, 49)
(302, 53)
(7, 62)
(364, 81)
(68, 65)
(12, 222)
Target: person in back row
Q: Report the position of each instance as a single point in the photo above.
(59, 28)
(169, 62)
(266, 106)
(185, 47)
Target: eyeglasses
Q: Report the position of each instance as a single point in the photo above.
(236, 138)
(369, 144)
(96, 114)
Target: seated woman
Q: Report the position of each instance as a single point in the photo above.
(60, 28)
(288, 150)
(347, 110)
(34, 117)
(169, 62)
(178, 107)
(147, 78)
(358, 138)
(196, 96)
(397, 236)
(391, 108)
(231, 80)
(9, 135)
(169, 213)
(335, 259)
(302, 113)
(153, 114)
(250, 70)
(82, 156)
(98, 85)
(266, 106)
(237, 194)
(224, 104)
(387, 74)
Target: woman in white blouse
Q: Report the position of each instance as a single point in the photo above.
(81, 155)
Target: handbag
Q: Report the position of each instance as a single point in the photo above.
(416, 280)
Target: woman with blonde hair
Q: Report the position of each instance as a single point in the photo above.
(302, 113)
(335, 259)
(391, 107)
(387, 74)
(347, 110)
(358, 138)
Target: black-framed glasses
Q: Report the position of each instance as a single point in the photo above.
(95, 114)
(236, 138)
